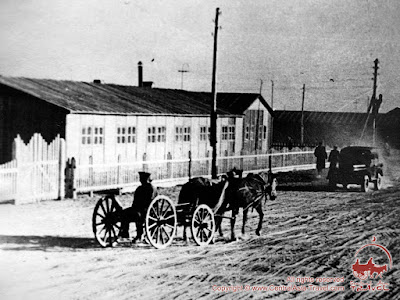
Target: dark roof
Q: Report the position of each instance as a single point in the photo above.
(84, 97)
(392, 118)
(287, 116)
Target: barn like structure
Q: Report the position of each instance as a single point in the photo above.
(332, 128)
(105, 123)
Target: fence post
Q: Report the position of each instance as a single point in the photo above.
(119, 171)
(18, 158)
(61, 168)
(91, 180)
(70, 190)
(207, 164)
(169, 165)
(190, 165)
(145, 168)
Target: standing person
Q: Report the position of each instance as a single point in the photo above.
(320, 154)
(143, 196)
(333, 158)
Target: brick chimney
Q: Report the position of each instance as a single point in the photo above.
(140, 73)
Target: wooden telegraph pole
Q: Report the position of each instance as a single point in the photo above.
(213, 128)
(374, 105)
(302, 117)
(271, 131)
(258, 122)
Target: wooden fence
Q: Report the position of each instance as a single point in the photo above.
(36, 172)
(122, 175)
(40, 171)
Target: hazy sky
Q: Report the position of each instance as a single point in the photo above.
(328, 45)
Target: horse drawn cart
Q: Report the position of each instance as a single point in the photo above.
(200, 202)
(161, 221)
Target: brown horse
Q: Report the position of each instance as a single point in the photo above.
(247, 193)
(229, 195)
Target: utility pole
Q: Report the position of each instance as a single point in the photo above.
(182, 71)
(258, 121)
(374, 104)
(302, 117)
(213, 129)
(271, 130)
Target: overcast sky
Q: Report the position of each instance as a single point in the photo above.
(328, 45)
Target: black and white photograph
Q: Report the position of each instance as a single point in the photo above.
(191, 149)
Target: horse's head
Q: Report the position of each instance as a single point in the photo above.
(270, 183)
(234, 173)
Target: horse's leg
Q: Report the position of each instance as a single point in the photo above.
(261, 214)
(218, 227)
(233, 221)
(245, 211)
(185, 237)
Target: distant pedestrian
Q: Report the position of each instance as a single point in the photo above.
(320, 154)
(333, 158)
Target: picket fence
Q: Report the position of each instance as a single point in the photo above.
(40, 171)
(124, 176)
(36, 172)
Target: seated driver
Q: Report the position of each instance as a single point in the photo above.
(143, 196)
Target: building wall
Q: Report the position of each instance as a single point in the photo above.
(25, 115)
(256, 140)
(164, 143)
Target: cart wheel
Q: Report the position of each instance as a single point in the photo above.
(161, 222)
(203, 225)
(378, 182)
(106, 222)
(365, 184)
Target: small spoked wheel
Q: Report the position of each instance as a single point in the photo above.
(378, 182)
(161, 222)
(365, 184)
(106, 222)
(203, 225)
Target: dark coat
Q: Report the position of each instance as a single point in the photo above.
(320, 154)
(144, 194)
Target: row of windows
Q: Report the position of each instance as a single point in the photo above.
(95, 135)
(92, 135)
(250, 132)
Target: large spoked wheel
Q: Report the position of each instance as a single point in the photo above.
(161, 222)
(365, 184)
(203, 225)
(106, 221)
(378, 182)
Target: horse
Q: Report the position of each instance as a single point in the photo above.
(230, 194)
(199, 190)
(248, 193)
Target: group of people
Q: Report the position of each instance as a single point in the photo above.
(321, 155)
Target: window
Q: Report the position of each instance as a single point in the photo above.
(204, 133)
(231, 133)
(156, 134)
(126, 135)
(247, 133)
(228, 133)
(182, 134)
(161, 134)
(265, 132)
(92, 135)
(252, 132)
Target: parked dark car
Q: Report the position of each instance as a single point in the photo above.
(357, 165)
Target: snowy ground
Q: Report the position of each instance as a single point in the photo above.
(47, 250)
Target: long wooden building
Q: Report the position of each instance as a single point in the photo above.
(105, 123)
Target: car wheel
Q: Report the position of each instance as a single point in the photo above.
(365, 184)
(378, 182)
